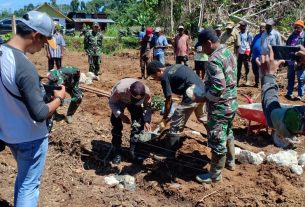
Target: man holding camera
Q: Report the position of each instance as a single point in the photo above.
(296, 38)
(287, 122)
(23, 112)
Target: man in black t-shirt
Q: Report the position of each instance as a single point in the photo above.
(180, 80)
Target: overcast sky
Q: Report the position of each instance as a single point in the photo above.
(17, 4)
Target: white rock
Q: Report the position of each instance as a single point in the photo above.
(284, 158)
(85, 79)
(129, 179)
(297, 169)
(246, 156)
(237, 151)
(301, 160)
(111, 180)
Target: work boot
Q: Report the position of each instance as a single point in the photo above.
(117, 159)
(217, 164)
(69, 119)
(172, 145)
(230, 162)
(117, 155)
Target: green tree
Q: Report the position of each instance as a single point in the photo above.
(74, 5)
(82, 6)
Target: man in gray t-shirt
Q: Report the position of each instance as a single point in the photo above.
(23, 112)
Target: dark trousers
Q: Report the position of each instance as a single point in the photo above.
(242, 59)
(143, 64)
(255, 70)
(182, 60)
(57, 62)
(200, 68)
(136, 113)
(76, 99)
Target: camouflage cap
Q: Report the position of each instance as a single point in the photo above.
(95, 24)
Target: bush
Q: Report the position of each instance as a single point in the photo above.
(110, 44)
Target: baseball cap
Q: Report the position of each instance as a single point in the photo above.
(218, 27)
(205, 35)
(181, 27)
(269, 22)
(299, 23)
(41, 23)
(137, 92)
(149, 31)
(95, 24)
(286, 121)
(158, 29)
(243, 23)
(230, 25)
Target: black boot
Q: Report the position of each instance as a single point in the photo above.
(117, 155)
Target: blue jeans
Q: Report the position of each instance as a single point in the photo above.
(160, 58)
(291, 77)
(30, 157)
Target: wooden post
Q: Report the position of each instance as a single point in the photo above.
(14, 24)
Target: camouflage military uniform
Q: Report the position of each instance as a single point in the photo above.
(220, 82)
(93, 47)
(69, 77)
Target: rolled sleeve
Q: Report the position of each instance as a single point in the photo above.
(115, 104)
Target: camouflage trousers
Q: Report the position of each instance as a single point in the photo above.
(76, 99)
(219, 132)
(94, 64)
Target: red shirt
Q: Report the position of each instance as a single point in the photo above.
(181, 45)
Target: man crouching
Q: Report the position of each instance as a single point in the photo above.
(135, 96)
(177, 79)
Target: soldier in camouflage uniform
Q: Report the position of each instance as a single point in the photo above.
(69, 77)
(221, 98)
(93, 47)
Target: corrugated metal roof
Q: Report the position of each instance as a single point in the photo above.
(93, 20)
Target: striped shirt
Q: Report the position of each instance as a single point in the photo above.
(60, 42)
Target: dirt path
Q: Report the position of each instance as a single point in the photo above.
(74, 173)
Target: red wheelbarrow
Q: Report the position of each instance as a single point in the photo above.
(253, 112)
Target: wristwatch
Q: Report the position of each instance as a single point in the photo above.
(61, 100)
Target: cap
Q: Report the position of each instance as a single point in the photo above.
(95, 24)
(41, 23)
(243, 23)
(229, 25)
(158, 29)
(181, 27)
(263, 24)
(286, 121)
(218, 27)
(149, 31)
(137, 92)
(269, 22)
(299, 23)
(205, 35)
(55, 76)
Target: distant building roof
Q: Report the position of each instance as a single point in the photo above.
(51, 11)
(93, 20)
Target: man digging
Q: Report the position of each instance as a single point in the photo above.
(177, 79)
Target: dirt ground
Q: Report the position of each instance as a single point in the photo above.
(75, 168)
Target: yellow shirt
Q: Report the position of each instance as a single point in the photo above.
(230, 40)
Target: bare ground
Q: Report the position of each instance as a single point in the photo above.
(75, 169)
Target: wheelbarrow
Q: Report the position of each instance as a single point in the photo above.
(253, 112)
